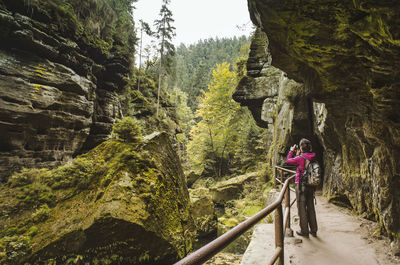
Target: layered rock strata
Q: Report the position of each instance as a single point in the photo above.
(57, 94)
(346, 55)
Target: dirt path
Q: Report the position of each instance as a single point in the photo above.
(342, 239)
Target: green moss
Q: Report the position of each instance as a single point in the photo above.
(116, 170)
(228, 222)
(32, 231)
(11, 231)
(13, 249)
(26, 177)
(41, 214)
(35, 194)
(251, 210)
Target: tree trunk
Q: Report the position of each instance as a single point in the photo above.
(140, 57)
(160, 70)
(222, 159)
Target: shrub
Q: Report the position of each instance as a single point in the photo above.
(127, 130)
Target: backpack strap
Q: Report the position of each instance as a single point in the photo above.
(307, 162)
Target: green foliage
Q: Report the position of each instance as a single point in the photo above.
(141, 104)
(183, 112)
(127, 130)
(213, 137)
(194, 63)
(185, 117)
(227, 135)
(165, 33)
(250, 147)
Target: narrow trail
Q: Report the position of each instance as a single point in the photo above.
(343, 239)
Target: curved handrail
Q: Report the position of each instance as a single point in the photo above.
(215, 246)
(285, 169)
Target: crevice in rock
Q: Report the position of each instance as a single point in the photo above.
(341, 200)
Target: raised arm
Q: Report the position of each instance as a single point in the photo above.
(289, 159)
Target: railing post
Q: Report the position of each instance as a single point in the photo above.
(275, 176)
(288, 231)
(279, 233)
(281, 174)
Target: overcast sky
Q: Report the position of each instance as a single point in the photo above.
(199, 19)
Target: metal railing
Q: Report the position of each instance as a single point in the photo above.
(282, 222)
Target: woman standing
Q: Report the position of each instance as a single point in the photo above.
(304, 194)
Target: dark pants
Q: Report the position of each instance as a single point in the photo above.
(305, 206)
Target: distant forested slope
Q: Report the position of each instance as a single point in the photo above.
(194, 63)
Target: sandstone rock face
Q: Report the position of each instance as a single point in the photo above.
(121, 203)
(285, 105)
(57, 97)
(346, 56)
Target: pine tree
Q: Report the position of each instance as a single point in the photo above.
(164, 33)
(146, 28)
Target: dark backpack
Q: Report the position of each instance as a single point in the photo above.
(312, 173)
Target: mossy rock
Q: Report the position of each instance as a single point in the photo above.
(204, 217)
(121, 203)
(232, 188)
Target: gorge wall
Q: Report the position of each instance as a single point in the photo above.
(339, 87)
(61, 66)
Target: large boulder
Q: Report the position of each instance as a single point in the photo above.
(121, 203)
(231, 189)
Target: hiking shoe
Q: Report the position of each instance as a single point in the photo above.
(314, 234)
(302, 234)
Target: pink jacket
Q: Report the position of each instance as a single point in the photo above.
(299, 162)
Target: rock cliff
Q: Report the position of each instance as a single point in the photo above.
(341, 68)
(123, 202)
(61, 65)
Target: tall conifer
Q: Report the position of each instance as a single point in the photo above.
(164, 33)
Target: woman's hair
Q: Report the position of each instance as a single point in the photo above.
(305, 145)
